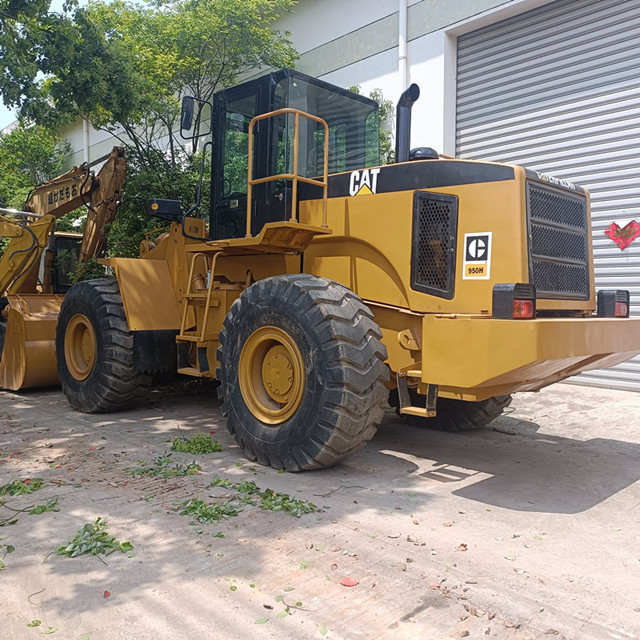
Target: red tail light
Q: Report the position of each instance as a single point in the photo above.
(523, 309)
(622, 310)
(514, 301)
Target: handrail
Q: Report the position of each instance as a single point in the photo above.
(210, 287)
(294, 177)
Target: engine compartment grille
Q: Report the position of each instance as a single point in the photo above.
(433, 252)
(558, 244)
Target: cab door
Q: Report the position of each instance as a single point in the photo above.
(234, 111)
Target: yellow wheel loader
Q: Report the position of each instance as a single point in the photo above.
(320, 280)
(35, 266)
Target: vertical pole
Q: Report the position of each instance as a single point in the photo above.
(85, 139)
(403, 66)
(249, 179)
(296, 125)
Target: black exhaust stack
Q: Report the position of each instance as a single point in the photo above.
(403, 122)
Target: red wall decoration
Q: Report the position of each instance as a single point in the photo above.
(624, 236)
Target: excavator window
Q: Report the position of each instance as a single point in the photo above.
(66, 251)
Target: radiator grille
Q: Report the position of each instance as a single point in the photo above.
(433, 255)
(558, 246)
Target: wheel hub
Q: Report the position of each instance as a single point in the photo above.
(80, 347)
(271, 375)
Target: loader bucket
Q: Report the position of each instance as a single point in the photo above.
(29, 352)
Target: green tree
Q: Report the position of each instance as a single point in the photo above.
(28, 157)
(125, 66)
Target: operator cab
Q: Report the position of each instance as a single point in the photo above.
(353, 144)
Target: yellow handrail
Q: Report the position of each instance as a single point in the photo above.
(294, 177)
(211, 276)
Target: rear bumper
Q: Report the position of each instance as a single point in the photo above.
(476, 358)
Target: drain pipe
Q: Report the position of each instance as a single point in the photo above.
(403, 66)
(85, 139)
(403, 122)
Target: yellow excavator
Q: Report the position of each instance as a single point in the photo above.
(35, 266)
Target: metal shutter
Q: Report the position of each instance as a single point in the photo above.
(557, 89)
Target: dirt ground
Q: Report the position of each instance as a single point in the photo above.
(527, 529)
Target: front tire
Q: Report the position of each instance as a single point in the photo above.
(94, 350)
(302, 372)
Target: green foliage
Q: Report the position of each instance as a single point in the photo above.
(88, 270)
(149, 175)
(268, 499)
(94, 539)
(197, 444)
(160, 468)
(29, 155)
(124, 65)
(273, 501)
(20, 487)
(7, 549)
(208, 512)
(52, 505)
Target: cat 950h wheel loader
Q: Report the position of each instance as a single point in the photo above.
(319, 281)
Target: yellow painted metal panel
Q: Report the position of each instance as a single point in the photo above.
(511, 355)
(147, 293)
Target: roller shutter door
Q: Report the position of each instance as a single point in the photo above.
(557, 89)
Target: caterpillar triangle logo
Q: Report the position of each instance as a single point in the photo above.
(363, 183)
(364, 191)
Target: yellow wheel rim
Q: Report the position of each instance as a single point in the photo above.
(271, 375)
(80, 347)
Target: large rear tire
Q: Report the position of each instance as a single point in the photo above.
(94, 350)
(456, 415)
(302, 372)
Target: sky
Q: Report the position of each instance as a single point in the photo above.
(6, 116)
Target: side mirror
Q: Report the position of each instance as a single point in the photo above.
(186, 115)
(169, 210)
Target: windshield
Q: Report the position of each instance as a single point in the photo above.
(353, 130)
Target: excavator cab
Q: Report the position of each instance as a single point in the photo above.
(64, 254)
(353, 144)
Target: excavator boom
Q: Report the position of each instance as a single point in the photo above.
(30, 301)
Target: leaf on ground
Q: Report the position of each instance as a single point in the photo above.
(49, 630)
(261, 620)
(323, 630)
(282, 614)
(34, 623)
(305, 565)
(288, 588)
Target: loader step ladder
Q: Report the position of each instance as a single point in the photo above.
(199, 299)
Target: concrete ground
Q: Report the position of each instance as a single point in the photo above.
(527, 529)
